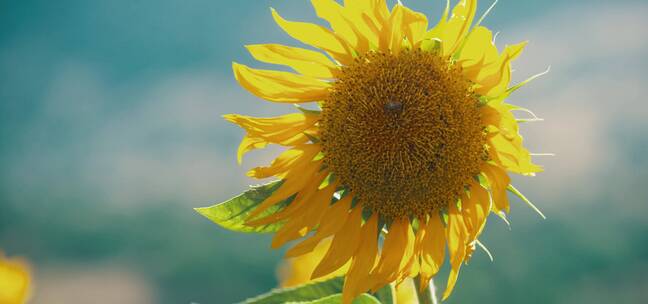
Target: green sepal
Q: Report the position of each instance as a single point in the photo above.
(303, 293)
(385, 295)
(483, 181)
(314, 139)
(406, 44)
(483, 100)
(431, 45)
(329, 179)
(519, 194)
(307, 111)
(233, 213)
(504, 219)
(523, 83)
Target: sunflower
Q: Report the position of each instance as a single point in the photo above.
(297, 271)
(406, 146)
(14, 280)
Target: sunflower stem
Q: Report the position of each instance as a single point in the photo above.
(427, 295)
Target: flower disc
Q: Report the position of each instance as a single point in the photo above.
(403, 132)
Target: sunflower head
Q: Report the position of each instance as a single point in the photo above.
(412, 140)
(404, 131)
(15, 280)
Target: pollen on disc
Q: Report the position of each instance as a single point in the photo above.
(403, 132)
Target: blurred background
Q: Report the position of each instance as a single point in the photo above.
(110, 133)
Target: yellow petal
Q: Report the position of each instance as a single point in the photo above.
(496, 78)
(280, 86)
(498, 181)
(306, 62)
(455, 234)
(392, 254)
(356, 281)
(395, 30)
(474, 211)
(332, 221)
(376, 10)
(299, 203)
(287, 130)
(310, 216)
(452, 281)
(344, 245)
(491, 115)
(406, 292)
(456, 237)
(457, 27)
(264, 125)
(432, 249)
(248, 144)
(414, 25)
(297, 271)
(502, 144)
(410, 265)
(294, 182)
(466, 211)
(316, 36)
(505, 140)
(391, 34)
(284, 162)
(342, 24)
(362, 15)
(478, 52)
(482, 202)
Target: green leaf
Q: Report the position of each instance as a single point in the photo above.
(232, 213)
(337, 299)
(304, 293)
(385, 295)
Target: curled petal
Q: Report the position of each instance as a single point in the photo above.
(286, 130)
(498, 181)
(342, 23)
(432, 249)
(478, 52)
(392, 253)
(454, 31)
(280, 86)
(298, 204)
(457, 239)
(306, 62)
(284, 162)
(497, 76)
(292, 183)
(356, 281)
(309, 217)
(414, 25)
(332, 221)
(344, 245)
(316, 36)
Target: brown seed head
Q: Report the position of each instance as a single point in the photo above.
(403, 132)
